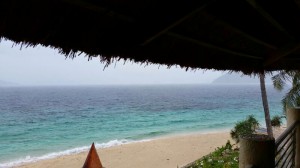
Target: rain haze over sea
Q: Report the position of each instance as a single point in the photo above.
(44, 122)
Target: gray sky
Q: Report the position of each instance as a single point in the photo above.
(45, 66)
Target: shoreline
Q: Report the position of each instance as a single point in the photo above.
(112, 143)
(81, 152)
(179, 149)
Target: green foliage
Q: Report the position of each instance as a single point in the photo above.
(276, 121)
(224, 157)
(244, 128)
(292, 97)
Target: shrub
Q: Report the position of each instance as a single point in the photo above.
(223, 157)
(244, 128)
(276, 121)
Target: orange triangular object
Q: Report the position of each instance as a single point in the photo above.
(92, 160)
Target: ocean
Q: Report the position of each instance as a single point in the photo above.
(45, 122)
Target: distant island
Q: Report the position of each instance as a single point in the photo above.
(235, 78)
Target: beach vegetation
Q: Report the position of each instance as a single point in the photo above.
(276, 121)
(292, 97)
(244, 128)
(223, 157)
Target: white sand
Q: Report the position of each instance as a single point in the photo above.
(167, 152)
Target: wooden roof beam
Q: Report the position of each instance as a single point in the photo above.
(281, 53)
(268, 17)
(99, 9)
(175, 23)
(297, 3)
(246, 35)
(211, 46)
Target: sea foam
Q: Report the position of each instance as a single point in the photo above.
(29, 159)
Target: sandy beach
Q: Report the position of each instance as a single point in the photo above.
(167, 152)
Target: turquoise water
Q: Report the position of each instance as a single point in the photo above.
(44, 122)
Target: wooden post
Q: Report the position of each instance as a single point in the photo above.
(257, 151)
(293, 115)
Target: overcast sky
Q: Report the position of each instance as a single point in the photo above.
(45, 66)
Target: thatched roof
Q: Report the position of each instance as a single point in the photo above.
(239, 35)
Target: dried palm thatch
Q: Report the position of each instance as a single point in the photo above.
(238, 35)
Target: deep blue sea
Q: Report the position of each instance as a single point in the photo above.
(45, 122)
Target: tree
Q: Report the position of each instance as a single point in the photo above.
(265, 103)
(276, 121)
(244, 128)
(292, 97)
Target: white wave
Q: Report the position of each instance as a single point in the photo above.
(112, 143)
(29, 159)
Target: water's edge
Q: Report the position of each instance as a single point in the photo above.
(112, 143)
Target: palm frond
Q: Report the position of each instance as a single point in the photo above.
(292, 98)
(298, 102)
(279, 80)
(296, 78)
